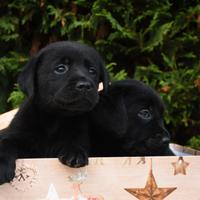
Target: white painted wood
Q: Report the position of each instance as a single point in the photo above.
(106, 178)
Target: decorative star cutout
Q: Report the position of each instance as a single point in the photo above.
(180, 166)
(52, 194)
(151, 190)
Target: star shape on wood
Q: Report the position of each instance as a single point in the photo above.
(151, 191)
(180, 166)
(52, 194)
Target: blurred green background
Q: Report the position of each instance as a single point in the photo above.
(155, 41)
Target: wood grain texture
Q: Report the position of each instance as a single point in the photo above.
(6, 118)
(106, 177)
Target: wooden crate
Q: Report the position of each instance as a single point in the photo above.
(6, 118)
(127, 178)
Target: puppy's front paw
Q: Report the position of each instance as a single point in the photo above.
(7, 171)
(76, 157)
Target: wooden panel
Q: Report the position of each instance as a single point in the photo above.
(6, 118)
(182, 150)
(106, 178)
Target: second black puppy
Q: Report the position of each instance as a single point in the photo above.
(61, 84)
(128, 121)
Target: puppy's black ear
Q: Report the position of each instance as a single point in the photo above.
(104, 77)
(27, 76)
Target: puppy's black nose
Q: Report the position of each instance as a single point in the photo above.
(83, 86)
(165, 140)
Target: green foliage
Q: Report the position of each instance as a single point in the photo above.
(160, 39)
(114, 76)
(10, 65)
(194, 142)
(16, 97)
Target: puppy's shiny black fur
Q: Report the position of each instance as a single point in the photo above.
(61, 84)
(128, 121)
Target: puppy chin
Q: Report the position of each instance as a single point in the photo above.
(75, 107)
(153, 144)
(145, 148)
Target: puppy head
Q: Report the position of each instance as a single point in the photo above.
(64, 76)
(146, 134)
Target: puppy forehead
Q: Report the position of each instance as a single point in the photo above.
(63, 54)
(138, 101)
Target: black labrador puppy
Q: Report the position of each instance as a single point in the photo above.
(61, 84)
(128, 121)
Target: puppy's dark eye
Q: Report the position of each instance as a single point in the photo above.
(92, 70)
(145, 114)
(61, 69)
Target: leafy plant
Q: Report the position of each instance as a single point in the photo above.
(153, 41)
(16, 97)
(194, 142)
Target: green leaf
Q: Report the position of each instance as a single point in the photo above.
(157, 36)
(171, 63)
(16, 97)
(194, 142)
